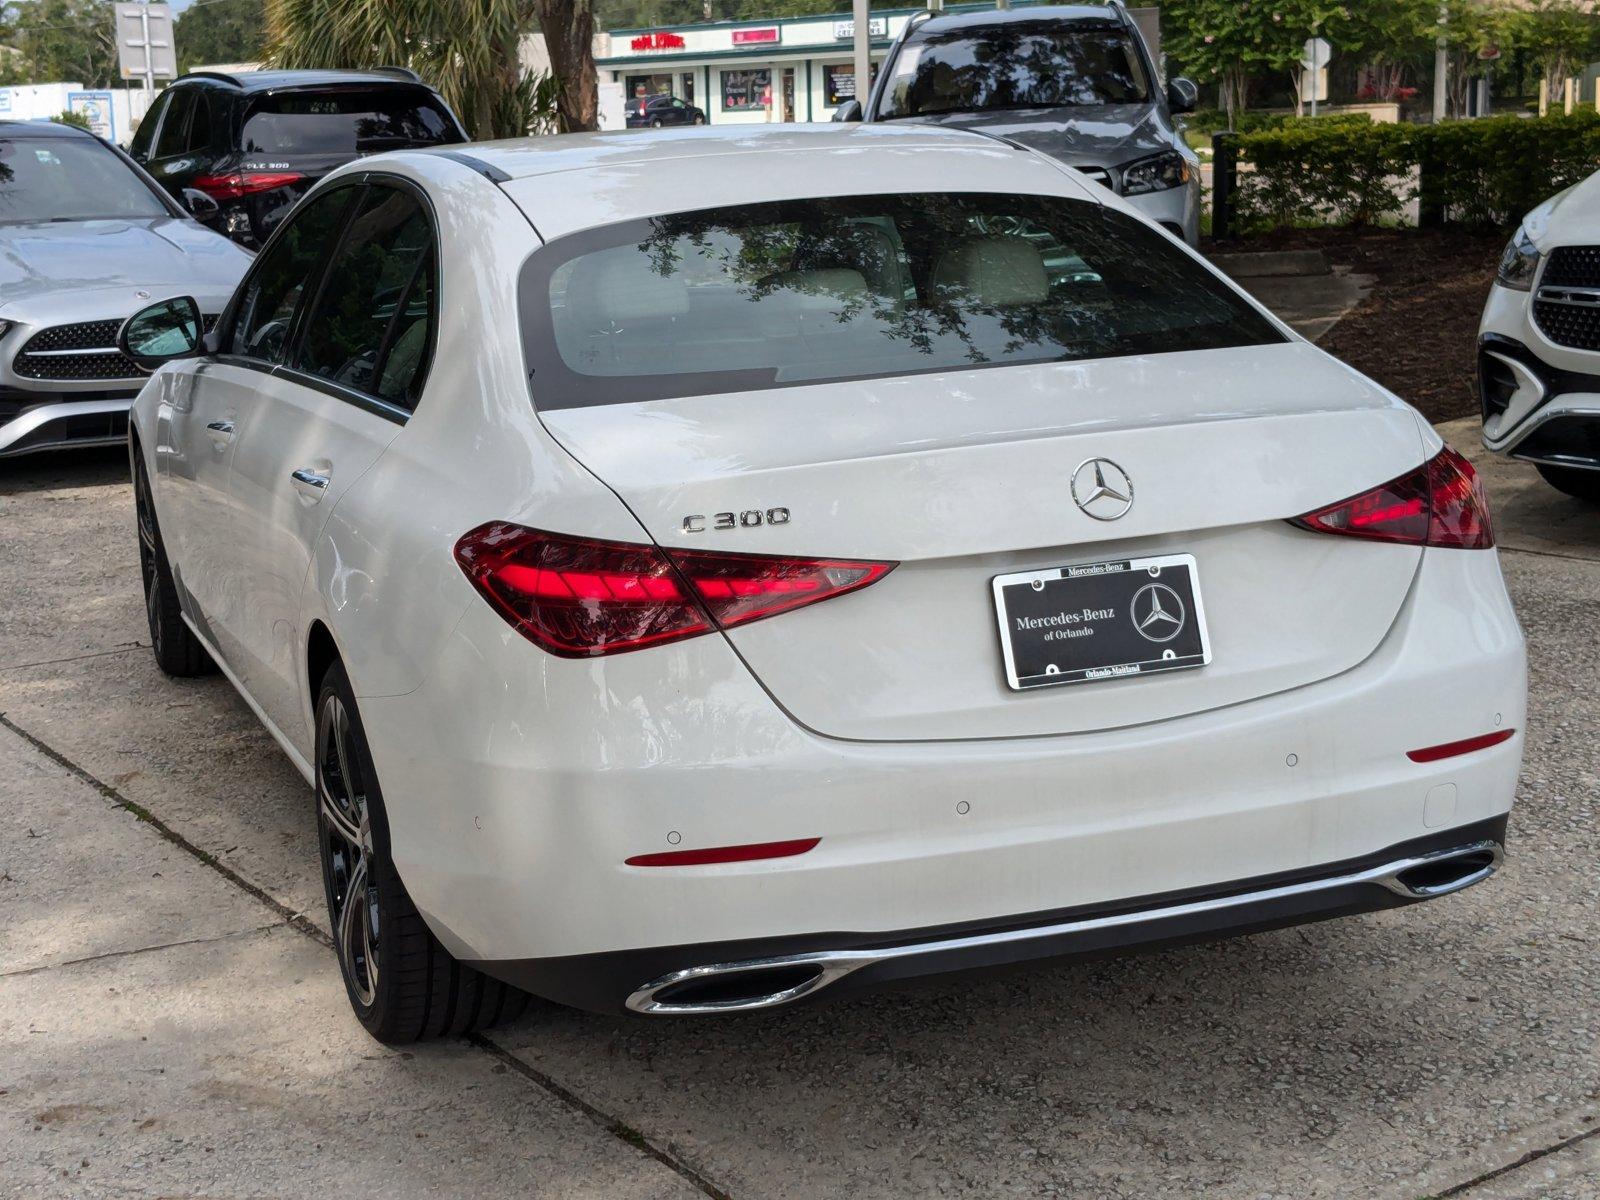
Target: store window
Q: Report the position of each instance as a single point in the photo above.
(839, 80)
(642, 87)
(746, 91)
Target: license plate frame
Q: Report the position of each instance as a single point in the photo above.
(1130, 591)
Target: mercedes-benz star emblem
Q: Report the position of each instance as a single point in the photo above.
(1102, 489)
(1158, 613)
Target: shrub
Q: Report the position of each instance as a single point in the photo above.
(1491, 172)
(69, 117)
(1485, 172)
(1324, 173)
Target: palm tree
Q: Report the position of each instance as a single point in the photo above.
(469, 49)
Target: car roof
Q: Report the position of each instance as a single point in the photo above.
(1090, 15)
(272, 81)
(722, 145)
(41, 129)
(578, 180)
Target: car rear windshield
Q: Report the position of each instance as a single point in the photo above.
(1025, 64)
(811, 291)
(349, 121)
(70, 179)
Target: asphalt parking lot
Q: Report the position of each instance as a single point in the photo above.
(172, 1023)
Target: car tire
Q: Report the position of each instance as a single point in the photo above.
(403, 984)
(699, 120)
(1574, 481)
(177, 651)
(656, 124)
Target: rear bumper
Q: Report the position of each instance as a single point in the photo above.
(518, 785)
(52, 424)
(746, 976)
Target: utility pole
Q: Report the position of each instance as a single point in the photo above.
(1316, 76)
(863, 48)
(149, 62)
(1441, 67)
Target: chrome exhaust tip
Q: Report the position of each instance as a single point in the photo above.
(1439, 874)
(743, 987)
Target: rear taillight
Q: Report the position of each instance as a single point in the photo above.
(580, 597)
(237, 184)
(1441, 503)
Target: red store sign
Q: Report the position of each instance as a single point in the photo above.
(658, 41)
(747, 37)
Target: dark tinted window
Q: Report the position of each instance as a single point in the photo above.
(280, 276)
(811, 291)
(146, 133)
(174, 135)
(371, 328)
(350, 121)
(1020, 64)
(69, 179)
(200, 123)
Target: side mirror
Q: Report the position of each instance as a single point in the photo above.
(201, 206)
(1182, 95)
(850, 110)
(162, 333)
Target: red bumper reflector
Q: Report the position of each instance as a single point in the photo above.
(1466, 746)
(723, 854)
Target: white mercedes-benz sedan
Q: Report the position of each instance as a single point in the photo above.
(704, 570)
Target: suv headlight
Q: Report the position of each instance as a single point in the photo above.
(1520, 262)
(1157, 174)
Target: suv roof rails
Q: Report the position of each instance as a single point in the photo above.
(405, 73)
(220, 76)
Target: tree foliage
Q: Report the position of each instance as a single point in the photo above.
(468, 49)
(1561, 36)
(59, 41)
(220, 31)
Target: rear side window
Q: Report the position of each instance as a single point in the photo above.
(349, 121)
(371, 329)
(812, 291)
(281, 276)
(174, 135)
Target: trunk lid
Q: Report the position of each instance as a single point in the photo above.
(964, 476)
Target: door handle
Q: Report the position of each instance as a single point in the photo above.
(221, 433)
(220, 427)
(311, 485)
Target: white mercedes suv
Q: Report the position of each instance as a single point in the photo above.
(1539, 344)
(703, 570)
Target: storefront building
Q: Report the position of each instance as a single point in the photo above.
(788, 69)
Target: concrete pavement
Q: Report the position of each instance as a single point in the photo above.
(171, 1024)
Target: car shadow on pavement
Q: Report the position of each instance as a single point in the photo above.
(60, 469)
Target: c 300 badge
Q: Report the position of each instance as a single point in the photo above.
(750, 518)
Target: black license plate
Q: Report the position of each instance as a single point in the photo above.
(1104, 620)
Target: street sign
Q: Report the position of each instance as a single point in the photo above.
(145, 48)
(1314, 71)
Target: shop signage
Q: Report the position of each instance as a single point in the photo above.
(658, 41)
(877, 27)
(751, 37)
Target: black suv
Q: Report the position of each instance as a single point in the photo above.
(254, 142)
(647, 111)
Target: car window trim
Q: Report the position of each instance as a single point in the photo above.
(366, 400)
(178, 95)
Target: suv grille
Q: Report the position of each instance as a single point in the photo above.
(86, 350)
(1566, 308)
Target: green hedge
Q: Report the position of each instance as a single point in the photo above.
(1485, 172)
(1214, 120)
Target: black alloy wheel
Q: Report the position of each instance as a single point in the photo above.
(403, 984)
(177, 651)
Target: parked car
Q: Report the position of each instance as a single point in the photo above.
(647, 111)
(86, 238)
(255, 142)
(1539, 344)
(687, 612)
(1076, 83)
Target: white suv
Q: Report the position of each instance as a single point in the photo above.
(1539, 344)
(705, 569)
